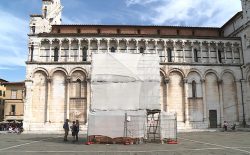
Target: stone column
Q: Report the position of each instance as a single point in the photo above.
(28, 105)
(69, 50)
(232, 48)
(220, 82)
(50, 44)
(88, 97)
(225, 52)
(155, 47)
(240, 52)
(108, 45)
(239, 98)
(127, 43)
(165, 51)
(166, 81)
(183, 51)
(217, 52)
(186, 100)
(79, 50)
(192, 46)
(204, 100)
(201, 52)
(60, 51)
(146, 47)
(174, 52)
(137, 48)
(89, 51)
(98, 46)
(39, 51)
(209, 53)
(48, 99)
(67, 96)
(118, 47)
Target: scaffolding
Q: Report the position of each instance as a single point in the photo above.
(156, 126)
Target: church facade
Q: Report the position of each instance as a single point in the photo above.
(205, 76)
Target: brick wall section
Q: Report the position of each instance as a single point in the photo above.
(137, 30)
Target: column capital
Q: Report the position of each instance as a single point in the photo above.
(185, 80)
(166, 80)
(68, 79)
(203, 80)
(220, 81)
(49, 79)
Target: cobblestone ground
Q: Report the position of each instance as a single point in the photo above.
(200, 143)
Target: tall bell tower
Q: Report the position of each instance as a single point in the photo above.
(51, 15)
(52, 11)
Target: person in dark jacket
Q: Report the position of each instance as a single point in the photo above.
(66, 129)
(77, 129)
(74, 130)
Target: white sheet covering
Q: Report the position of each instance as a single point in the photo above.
(168, 125)
(112, 123)
(122, 81)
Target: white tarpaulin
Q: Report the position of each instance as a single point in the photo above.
(122, 81)
(168, 125)
(112, 123)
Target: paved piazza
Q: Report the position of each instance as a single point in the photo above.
(205, 143)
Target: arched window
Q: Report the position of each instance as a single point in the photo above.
(84, 54)
(195, 55)
(45, 12)
(31, 52)
(219, 56)
(194, 89)
(141, 50)
(112, 49)
(56, 54)
(78, 88)
(169, 55)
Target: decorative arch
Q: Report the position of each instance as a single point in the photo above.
(59, 69)
(197, 71)
(229, 95)
(78, 95)
(79, 69)
(211, 71)
(227, 71)
(163, 73)
(176, 70)
(40, 69)
(175, 94)
(212, 98)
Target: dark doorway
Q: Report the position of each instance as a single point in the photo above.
(213, 118)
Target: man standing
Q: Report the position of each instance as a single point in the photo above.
(66, 129)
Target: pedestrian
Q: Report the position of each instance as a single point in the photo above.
(77, 129)
(73, 129)
(225, 125)
(66, 129)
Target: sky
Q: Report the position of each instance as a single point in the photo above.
(14, 17)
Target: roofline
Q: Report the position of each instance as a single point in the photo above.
(231, 19)
(13, 83)
(135, 26)
(131, 35)
(3, 80)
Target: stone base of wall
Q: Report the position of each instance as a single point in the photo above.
(192, 125)
(57, 128)
(48, 128)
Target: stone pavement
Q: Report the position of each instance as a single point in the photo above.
(190, 143)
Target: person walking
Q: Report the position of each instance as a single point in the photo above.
(225, 125)
(66, 129)
(74, 129)
(77, 129)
